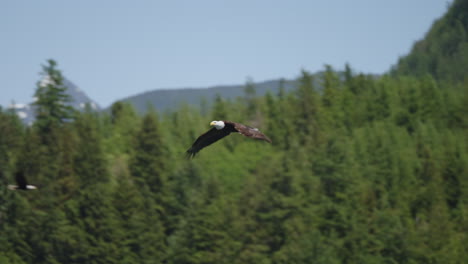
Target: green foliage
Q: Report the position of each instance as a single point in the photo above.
(364, 171)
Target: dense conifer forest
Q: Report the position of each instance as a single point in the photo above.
(362, 170)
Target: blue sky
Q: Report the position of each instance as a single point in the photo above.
(113, 49)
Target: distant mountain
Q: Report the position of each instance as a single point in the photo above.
(78, 97)
(167, 99)
(171, 99)
(78, 100)
(443, 53)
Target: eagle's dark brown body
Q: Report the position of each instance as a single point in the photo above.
(215, 134)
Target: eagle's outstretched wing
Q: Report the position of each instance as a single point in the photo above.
(206, 139)
(249, 131)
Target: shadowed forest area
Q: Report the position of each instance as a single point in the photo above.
(361, 170)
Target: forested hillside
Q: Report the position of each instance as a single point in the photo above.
(443, 53)
(362, 170)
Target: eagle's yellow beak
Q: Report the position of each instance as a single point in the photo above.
(212, 123)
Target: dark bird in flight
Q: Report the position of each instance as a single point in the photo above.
(222, 129)
(22, 183)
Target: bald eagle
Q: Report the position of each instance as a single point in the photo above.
(22, 183)
(220, 130)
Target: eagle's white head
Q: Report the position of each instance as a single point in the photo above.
(31, 187)
(217, 124)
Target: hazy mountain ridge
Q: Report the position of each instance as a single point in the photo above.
(164, 99)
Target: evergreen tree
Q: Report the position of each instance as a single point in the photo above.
(149, 166)
(51, 104)
(92, 211)
(149, 169)
(219, 111)
(120, 131)
(250, 99)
